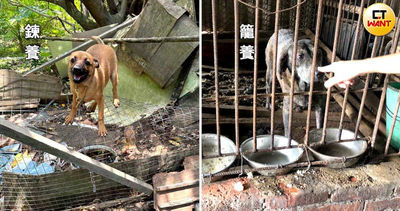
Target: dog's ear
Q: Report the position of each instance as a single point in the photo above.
(96, 63)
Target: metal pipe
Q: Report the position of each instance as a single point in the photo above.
(83, 45)
(364, 96)
(287, 94)
(256, 37)
(215, 46)
(236, 14)
(314, 66)
(274, 68)
(346, 93)
(131, 40)
(296, 38)
(334, 49)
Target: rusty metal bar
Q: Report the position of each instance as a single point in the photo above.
(287, 94)
(385, 84)
(359, 118)
(236, 14)
(389, 136)
(274, 68)
(314, 66)
(215, 46)
(334, 49)
(130, 40)
(256, 34)
(83, 45)
(296, 38)
(353, 53)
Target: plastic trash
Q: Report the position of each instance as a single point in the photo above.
(12, 160)
(11, 149)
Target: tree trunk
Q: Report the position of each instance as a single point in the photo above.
(72, 10)
(99, 12)
(97, 9)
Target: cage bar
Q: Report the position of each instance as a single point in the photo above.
(296, 38)
(274, 69)
(256, 37)
(314, 66)
(236, 14)
(215, 48)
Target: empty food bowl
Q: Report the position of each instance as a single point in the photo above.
(349, 152)
(210, 148)
(279, 158)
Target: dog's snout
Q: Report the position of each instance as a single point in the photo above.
(77, 68)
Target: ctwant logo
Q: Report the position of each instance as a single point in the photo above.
(379, 19)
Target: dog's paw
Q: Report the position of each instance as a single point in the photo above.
(69, 119)
(116, 103)
(102, 130)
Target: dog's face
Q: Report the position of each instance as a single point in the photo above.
(304, 59)
(81, 66)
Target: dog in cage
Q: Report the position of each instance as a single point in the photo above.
(304, 59)
(89, 72)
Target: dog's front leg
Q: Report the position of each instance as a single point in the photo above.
(102, 127)
(319, 116)
(70, 118)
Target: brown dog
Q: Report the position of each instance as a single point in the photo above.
(89, 72)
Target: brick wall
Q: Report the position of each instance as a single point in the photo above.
(369, 187)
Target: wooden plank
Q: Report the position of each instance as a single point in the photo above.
(14, 85)
(42, 143)
(161, 61)
(19, 104)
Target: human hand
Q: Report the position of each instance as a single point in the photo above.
(344, 73)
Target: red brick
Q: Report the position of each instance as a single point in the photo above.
(361, 193)
(302, 198)
(393, 204)
(352, 206)
(191, 162)
(295, 198)
(276, 202)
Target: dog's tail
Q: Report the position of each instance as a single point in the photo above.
(97, 39)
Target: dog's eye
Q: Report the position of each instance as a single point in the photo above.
(73, 60)
(87, 62)
(300, 56)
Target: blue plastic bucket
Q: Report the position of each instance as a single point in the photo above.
(392, 94)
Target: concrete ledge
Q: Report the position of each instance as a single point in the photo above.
(368, 187)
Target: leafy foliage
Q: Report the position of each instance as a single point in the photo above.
(13, 19)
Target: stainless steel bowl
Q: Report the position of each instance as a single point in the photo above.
(276, 158)
(210, 147)
(350, 151)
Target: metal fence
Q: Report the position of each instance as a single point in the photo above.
(350, 42)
